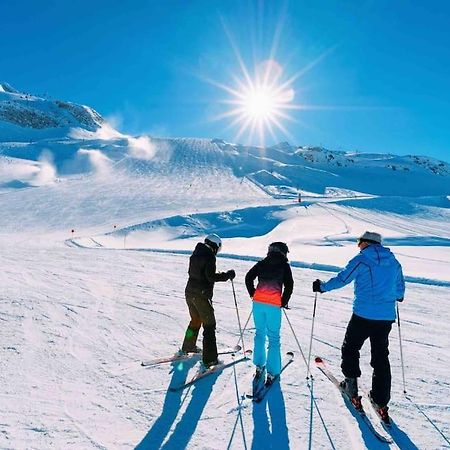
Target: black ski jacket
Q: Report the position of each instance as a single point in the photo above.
(273, 273)
(202, 272)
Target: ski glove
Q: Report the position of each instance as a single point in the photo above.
(316, 286)
(231, 274)
(284, 303)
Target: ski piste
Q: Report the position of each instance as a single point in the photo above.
(259, 395)
(185, 356)
(202, 374)
(323, 367)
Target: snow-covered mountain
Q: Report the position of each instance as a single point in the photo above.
(25, 117)
(61, 128)
(95, 231)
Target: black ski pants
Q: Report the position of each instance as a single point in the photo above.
(358, 330)
(202, 313)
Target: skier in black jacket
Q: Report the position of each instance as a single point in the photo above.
(199, 293)
(274, 289)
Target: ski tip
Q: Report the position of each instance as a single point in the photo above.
(290, 354)
(142, 364)
(237, 348)
(318, 360)
(248, 352)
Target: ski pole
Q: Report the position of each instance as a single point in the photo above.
(245, 327)
(401, 348)
(311, 414)
(295, 337)
(308, 373)
(239, 319)
(246, 323)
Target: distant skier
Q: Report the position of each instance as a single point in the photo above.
(379, 283)
(273, 273)
(199, 293)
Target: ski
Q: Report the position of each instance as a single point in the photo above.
(184, 356)
(320, 364)
(387, 425)
(260, 393)
(202, 374)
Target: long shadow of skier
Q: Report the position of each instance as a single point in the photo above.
(173, 402)
(270, 430)
(401, 438)
(370, 441)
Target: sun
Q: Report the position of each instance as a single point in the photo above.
(260, 98)
(259, 104)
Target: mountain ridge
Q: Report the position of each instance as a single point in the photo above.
(80, 141)
(22, 113)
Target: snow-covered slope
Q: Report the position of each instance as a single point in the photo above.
(75, 324)
(279, 174)
(75, 135)
(80, 309)
(25, 117)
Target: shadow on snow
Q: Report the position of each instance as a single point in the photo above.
(184, 430)
(270, 429)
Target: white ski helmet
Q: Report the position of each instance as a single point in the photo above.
(214, 241)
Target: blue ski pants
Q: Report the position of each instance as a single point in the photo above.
(267, 319)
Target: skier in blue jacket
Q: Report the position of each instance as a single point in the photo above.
(379, 283)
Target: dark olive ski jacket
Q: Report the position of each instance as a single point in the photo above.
(202, 272)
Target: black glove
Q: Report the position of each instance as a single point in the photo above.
(231, 274)
(284, 303)
(400, 299)
(317, 287)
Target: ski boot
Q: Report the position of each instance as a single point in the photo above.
(270, 379)
(350, 387)
(209, 365)
(259, 373)
(382, 411)
(182, 352)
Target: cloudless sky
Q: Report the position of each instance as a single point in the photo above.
(382, 67)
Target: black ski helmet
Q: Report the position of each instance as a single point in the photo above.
(278, 247)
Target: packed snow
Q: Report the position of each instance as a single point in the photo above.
(95, 235)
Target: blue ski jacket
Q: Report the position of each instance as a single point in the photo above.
(378, 279)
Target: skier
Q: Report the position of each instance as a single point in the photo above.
(274, 273)
(379, 283)
(199, 293)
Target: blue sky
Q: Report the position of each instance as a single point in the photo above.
(381, 81)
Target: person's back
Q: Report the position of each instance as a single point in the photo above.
(199, 292)
(377, 287)
(379, 283)
(202, 268)
(274, 289)
(271, 272)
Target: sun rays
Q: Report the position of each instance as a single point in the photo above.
(258, 104)
(262, 98)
